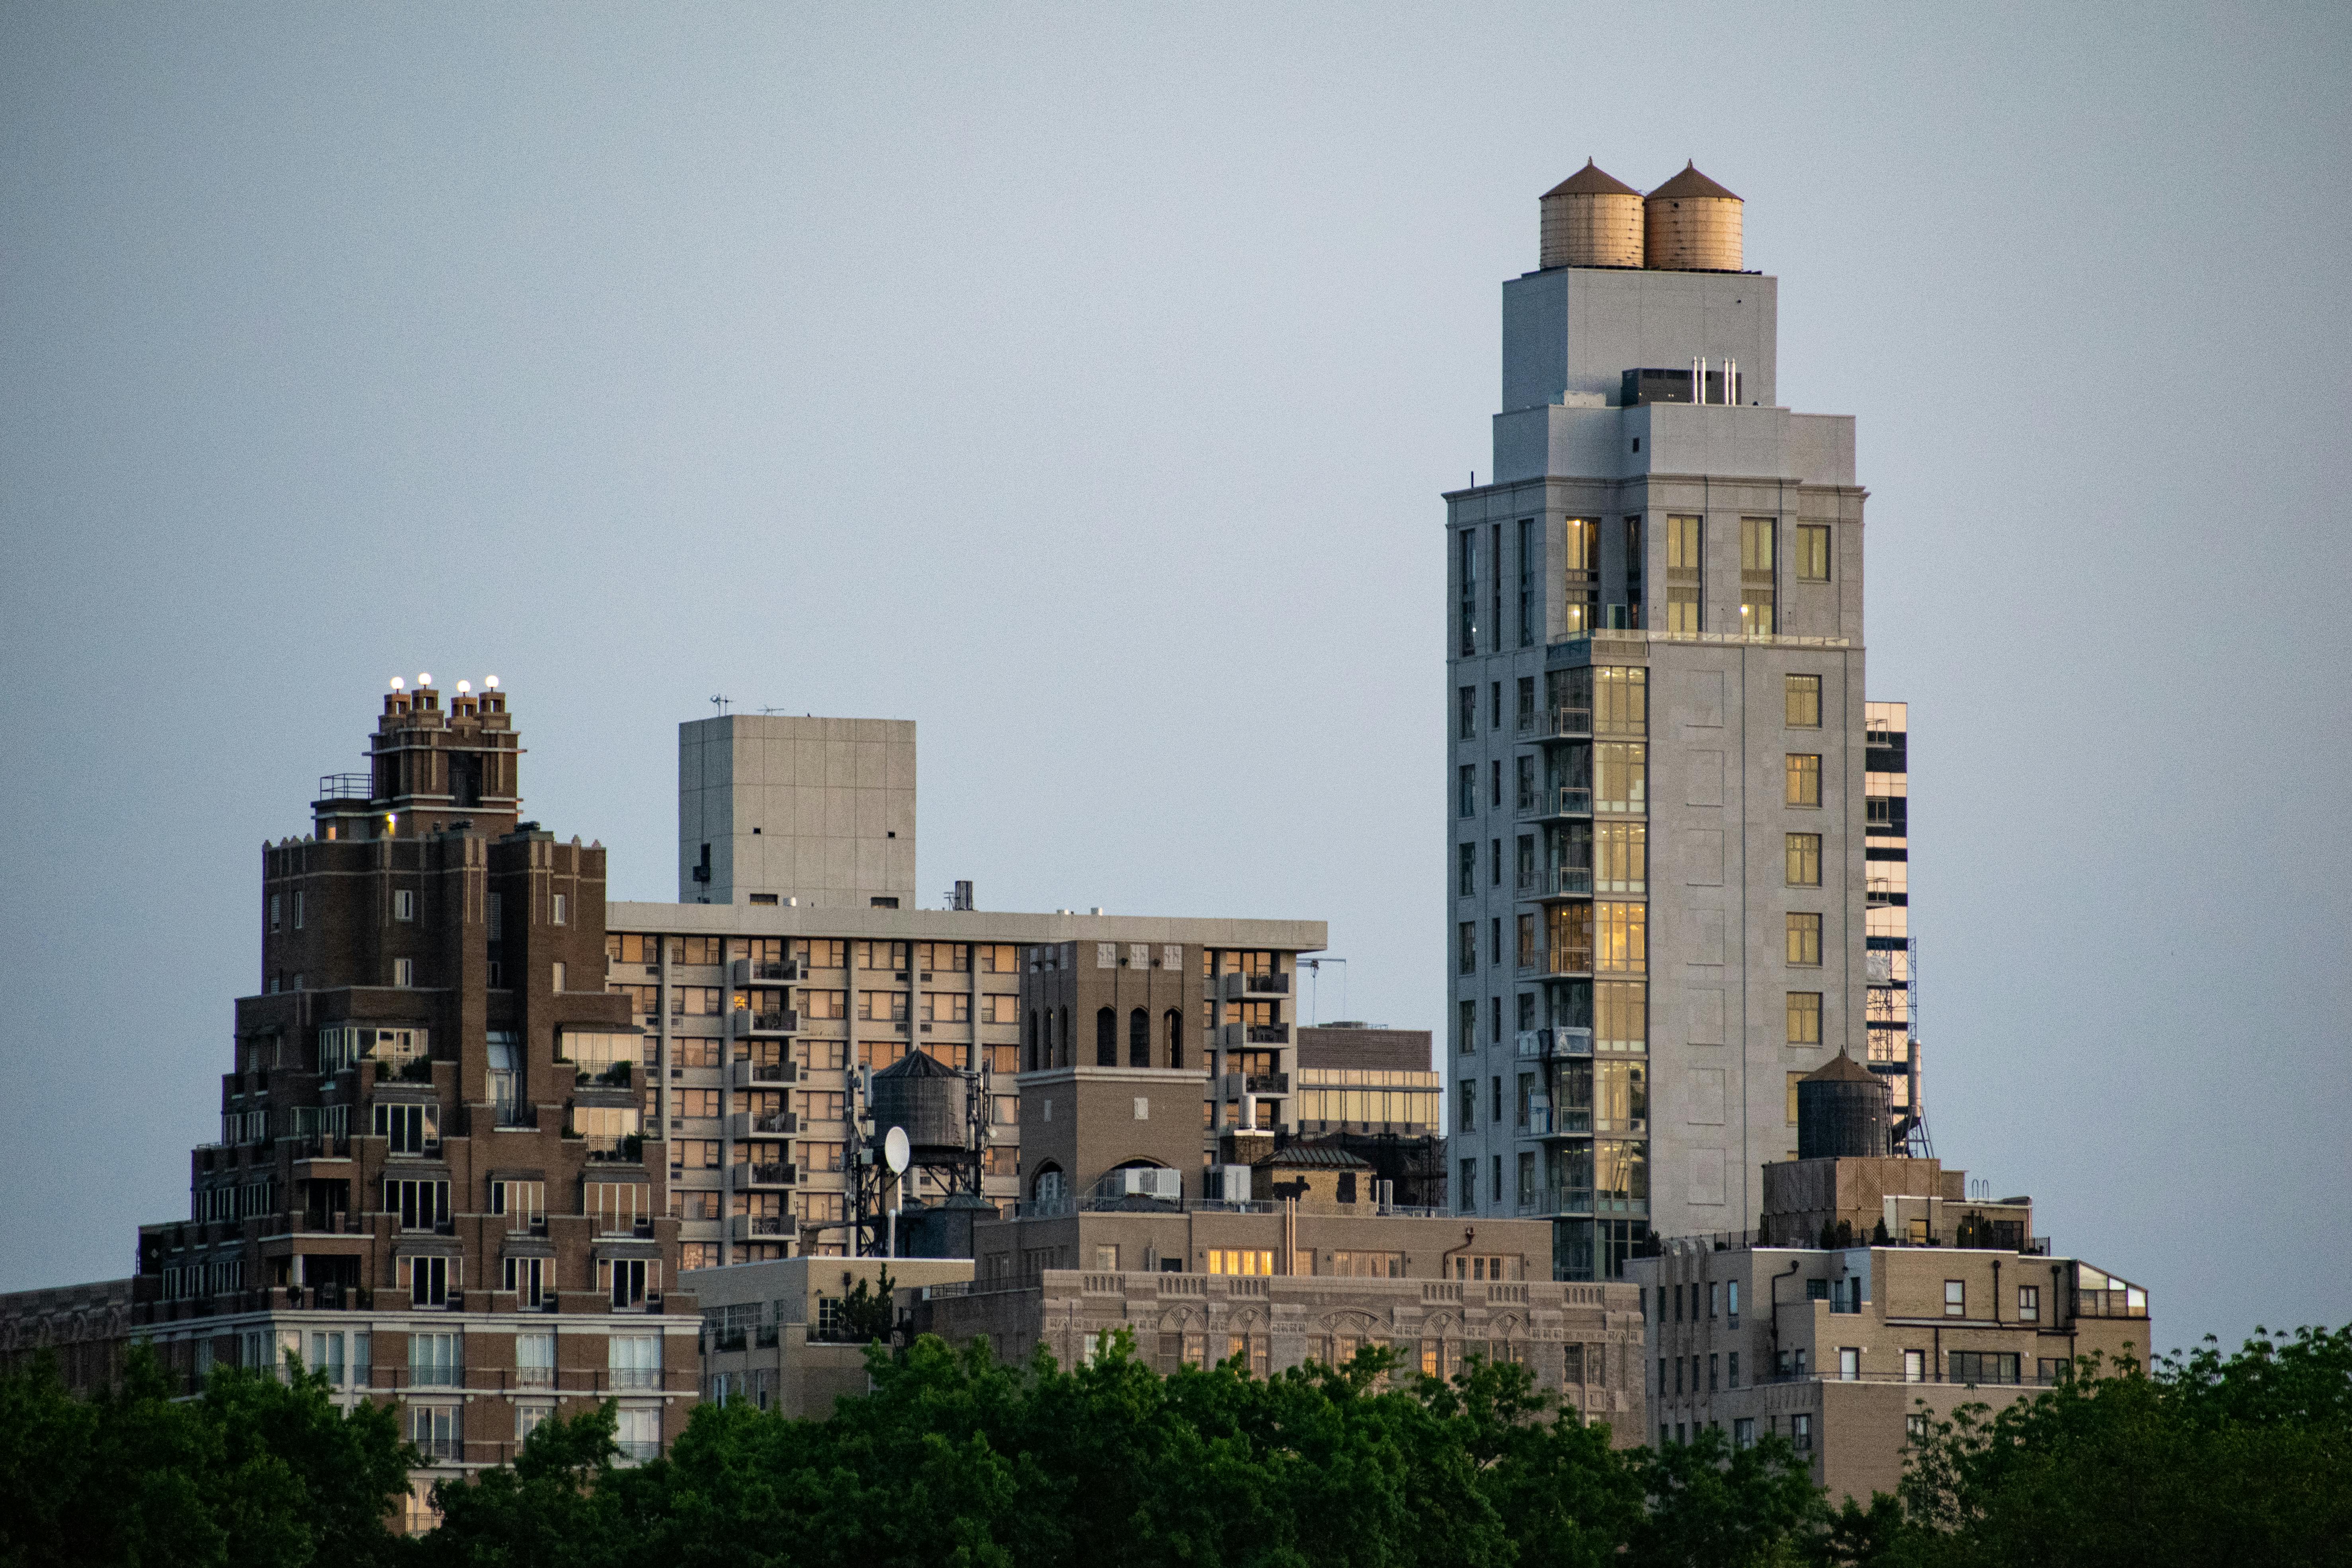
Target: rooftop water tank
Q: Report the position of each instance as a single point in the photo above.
(1841, 1114)
(927, 1099)
(1592, 220)
(1691, 225)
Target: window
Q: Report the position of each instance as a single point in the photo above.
(1850, 1364)
(1241, 1261)
(437, 1430)
(1794, 1078)
(1984, 1367)
(433, 1281)
(1714, 1368)
(1956, 1298)
(1731, 1309)
(1494, 865)
(2054, 1369)
(1465, 802)
(1915, 1366)
(530, 1279)
(412, 1129)
(1466, 1199)
(1466, 938)
(1465, 870)
(1805, 940)
(403, 972)
(1528, 949)
(1469, 583)
(637, 1434)
(403, 904)
(2029, 1303)
(1733, 1359)
(1813, 553)
(617, 1206)
(562, 910)
(1466, 714)
(1580, 576)
(1621, 937)
(1758, 589)
(420, 1204)
(1465, 1101)
(1804, 1017)
(630, 1279)
(1804, 859)
(1495, 783)
(1743, 1431)
(1801, 1432)
(1620, 777)
(1621, 857)
(1915, 1426)
(882, 1006)
(1804, 779)
(634, 1361)
(274, 905)
(1685, 549)
(1802, 700)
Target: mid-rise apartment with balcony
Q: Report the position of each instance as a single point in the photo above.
(797, 964)
(1655, 735)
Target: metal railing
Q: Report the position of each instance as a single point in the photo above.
(1266, 1033)
(1561, 800)
(1266, 1083)
(1558, 724)
(346, 786)
(1559, 882)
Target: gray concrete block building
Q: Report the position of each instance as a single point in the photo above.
(1656, 727)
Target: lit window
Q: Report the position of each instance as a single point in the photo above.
(1804, 859)
(563, 908)
(1802, 701)
(403, 904)
(1805, 940)
(1956, 1298)
(1804, 779)
(1804, 1017)
(403, 972)
(1813, 553)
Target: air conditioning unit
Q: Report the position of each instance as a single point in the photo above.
(1227, 1183)
(1143, 1181)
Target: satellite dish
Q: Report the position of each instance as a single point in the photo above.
(895, 1151)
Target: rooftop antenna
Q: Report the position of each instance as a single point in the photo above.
(720, 703)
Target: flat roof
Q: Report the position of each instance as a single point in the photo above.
(961, 925)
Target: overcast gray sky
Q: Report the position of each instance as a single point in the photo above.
(1080, 382)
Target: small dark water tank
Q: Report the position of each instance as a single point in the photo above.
(1843, 1114)
(924, 1097)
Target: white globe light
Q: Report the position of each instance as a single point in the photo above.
(424, 680)
(398, 684)
(464, 687)
(490, 683)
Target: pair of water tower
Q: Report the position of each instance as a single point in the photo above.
(1690, 223)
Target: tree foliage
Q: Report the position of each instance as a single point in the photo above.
(953, 1458)
(258, 1471)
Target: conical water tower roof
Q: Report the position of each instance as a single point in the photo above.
(1590, 181)
(1841, 1068)
(1691, 184)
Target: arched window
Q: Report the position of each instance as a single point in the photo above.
(1175, 1038)
(1050, 1184)
(1032, 1039)
(1069, 1053)
(1105, 1038)
(1138, 1038)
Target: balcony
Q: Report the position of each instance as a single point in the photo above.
(1553, 804)
(787, 1022)
(770, 1125)
(1559, 882)
(1557, 1201)
(1237, 1037)
(1558, 962)
(1559, 724)
(1234, 1085)
(615, 1075)
(1554, 1044)
(763, 1226)
(762, 1075)
(790, 972)
(1557, 1122)
(1239, 987)
(752, 1178)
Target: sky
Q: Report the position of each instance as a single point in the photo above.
(1080, 382)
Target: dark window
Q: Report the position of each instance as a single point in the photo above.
(1466, 712)
(1105, 1038)
(1138, 1038)
(1175, 1038)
